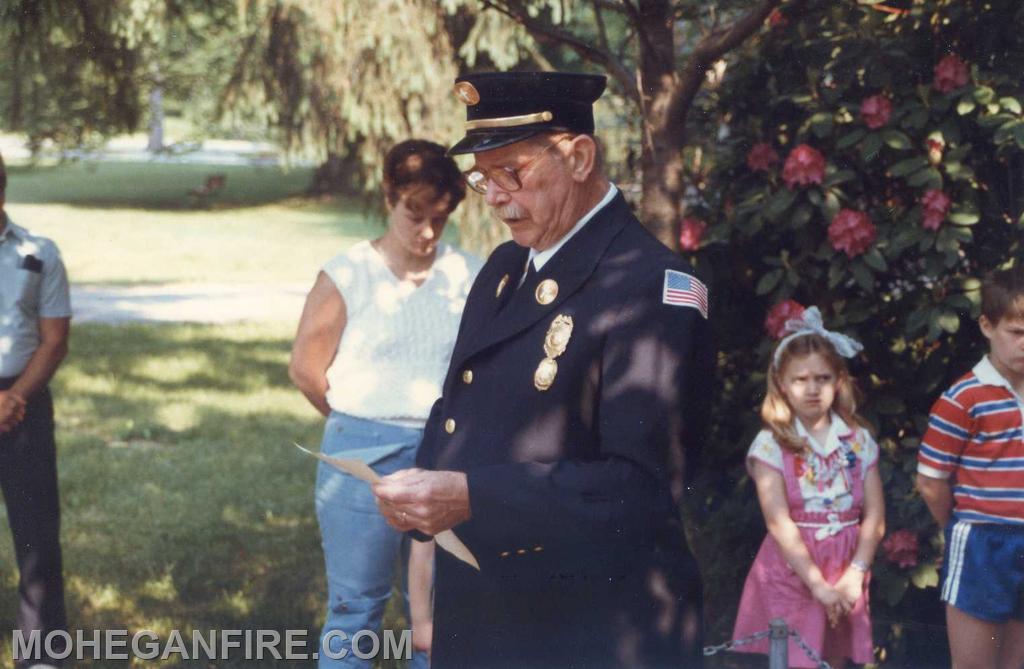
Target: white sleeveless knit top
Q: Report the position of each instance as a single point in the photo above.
(398, 338)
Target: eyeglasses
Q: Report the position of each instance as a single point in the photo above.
(507, 178)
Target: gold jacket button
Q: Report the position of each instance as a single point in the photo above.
(505, 554)
(467, 376)
(537, 549)
(449, 425)
(521, 551)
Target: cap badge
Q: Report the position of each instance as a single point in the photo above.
(467, 93)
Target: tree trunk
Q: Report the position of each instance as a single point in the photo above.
(156, 112)
(661, 157)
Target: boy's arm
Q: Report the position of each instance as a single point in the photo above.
(421, 577)
(938, 495)
(950, 427)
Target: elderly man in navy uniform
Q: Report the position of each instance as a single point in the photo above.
(560, 449)
(35, 315)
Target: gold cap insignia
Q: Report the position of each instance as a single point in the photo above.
(467, 93)
(546, 291)
(501, 285)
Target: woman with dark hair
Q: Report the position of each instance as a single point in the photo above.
(370, 354)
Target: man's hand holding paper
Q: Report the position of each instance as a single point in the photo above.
(419, 499)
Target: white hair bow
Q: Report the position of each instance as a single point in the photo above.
(810, 323)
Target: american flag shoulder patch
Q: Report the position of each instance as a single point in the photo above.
(683, 290)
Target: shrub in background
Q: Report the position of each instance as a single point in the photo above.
(867, 159)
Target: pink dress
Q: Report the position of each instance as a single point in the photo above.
(825, 492)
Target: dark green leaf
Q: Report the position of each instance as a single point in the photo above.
(949, 321)
(929, 177)
(918, 319)
(896, 139)
(875, 260)
(1011, 105)
(768, 282)
(994, 120)
(984, 95)
(863, 276)
(870, 146)
(835, 275)
(964, 217)
(849, 139)
(905, 167)
(802, 215)
(779, 203)
(959, 171)
(915, 119)
(838, 177)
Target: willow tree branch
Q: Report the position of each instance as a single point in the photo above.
(596, 55)
(601, 31)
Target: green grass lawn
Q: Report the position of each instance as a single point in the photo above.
(126, 223)
(184, 504)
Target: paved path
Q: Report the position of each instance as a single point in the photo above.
(189, 303)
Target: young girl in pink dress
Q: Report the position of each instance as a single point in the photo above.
(815, 468)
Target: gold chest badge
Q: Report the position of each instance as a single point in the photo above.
(555, 342)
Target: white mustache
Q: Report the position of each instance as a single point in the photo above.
(509, 211)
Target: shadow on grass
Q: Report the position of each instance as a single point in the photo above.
(210, 526)
(153, 185)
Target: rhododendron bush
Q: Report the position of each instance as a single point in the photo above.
(867, 158)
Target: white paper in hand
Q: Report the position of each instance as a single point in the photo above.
(362, 471)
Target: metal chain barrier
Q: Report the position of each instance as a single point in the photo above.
(812, 655)
(729, 645)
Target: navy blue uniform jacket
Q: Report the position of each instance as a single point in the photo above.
(574, 490)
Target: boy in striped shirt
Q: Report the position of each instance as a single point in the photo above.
(970, 472)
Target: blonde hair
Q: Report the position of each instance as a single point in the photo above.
(776, 414)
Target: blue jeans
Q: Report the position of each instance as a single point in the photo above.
(361, 550)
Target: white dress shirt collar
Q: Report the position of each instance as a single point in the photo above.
(540, 258)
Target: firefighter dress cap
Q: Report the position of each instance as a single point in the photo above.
(507, 107)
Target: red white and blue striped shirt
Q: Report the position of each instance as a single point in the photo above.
(976, 435)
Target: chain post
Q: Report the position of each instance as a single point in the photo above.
(778, 651)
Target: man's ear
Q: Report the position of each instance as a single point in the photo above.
(581, 157)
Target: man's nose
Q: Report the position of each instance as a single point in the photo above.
(428, 232)
(495, 195)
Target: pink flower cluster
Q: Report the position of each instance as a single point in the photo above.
(851, 232)
(950, 74)
(804, 165)
(934, 206)
(901, 548)
(875, 111)
(691, 231)
(762, 157)
(779, 314)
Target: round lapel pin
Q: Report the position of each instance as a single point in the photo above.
(546, 291)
